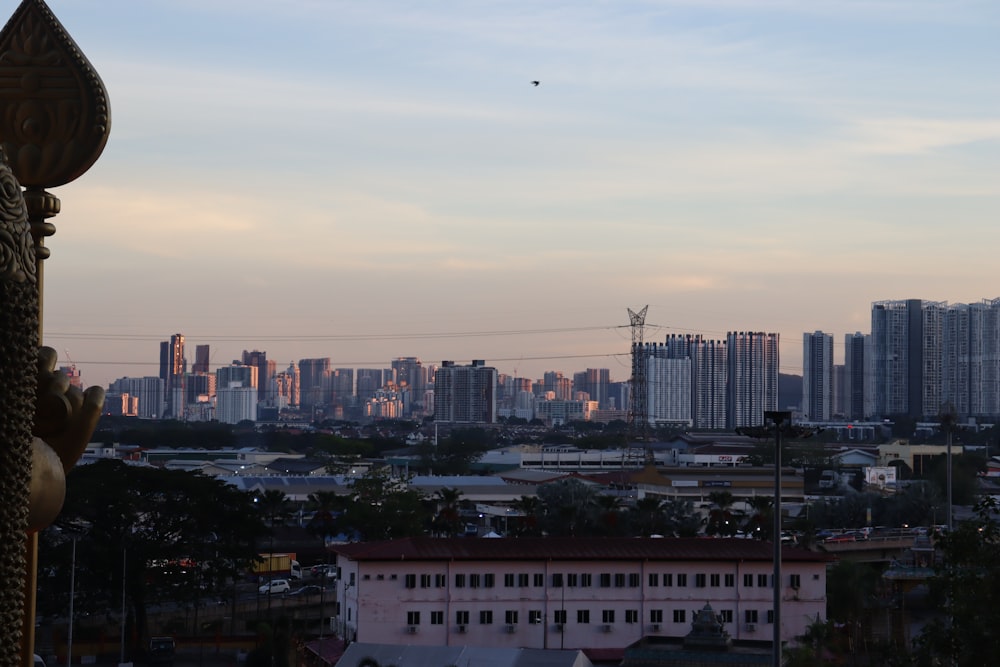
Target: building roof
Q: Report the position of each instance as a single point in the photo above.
(572, 548)
(460, 656)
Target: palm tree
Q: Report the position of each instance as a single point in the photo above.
(760, 524)
(720, 517)
(447, 521)
(529, 508)
(608, 515)
(648, 516)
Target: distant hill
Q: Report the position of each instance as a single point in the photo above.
(789, 391)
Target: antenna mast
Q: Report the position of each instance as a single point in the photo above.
(638, 413)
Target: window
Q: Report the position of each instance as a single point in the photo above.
(654, 579)
(770, 616)
(437, 618)
(668, 579)
(459, 581)
(486, 617)
(367, 577)
(682, 580)
(557, 580)
(489, 580)
(539, 580)
(559, 616)
(730, 580)
(727, 615)
(619, 580)
(699, 580)
(605, 579)
(510, 617)
(762, 580)
(572, 580)
(631, 615)
(656, 616)
(379, 577)
(748, 580)
(473, 581)
(750, 616)
(351, 581)
(586, 580)
(583, 616)
(411, 582)
(607, 616)
(440, 580)
(462, 617)
(522, 580)
(508, 580)
(679, 616)
(633, 580)
(425, 581)
(535, 616)
(413, 618)
(714, 580)
(392, 577)
(795, 580)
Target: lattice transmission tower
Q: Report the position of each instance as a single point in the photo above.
(638, 408)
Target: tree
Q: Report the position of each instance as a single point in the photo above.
(760, 524)
(382, 507)
(566, 506)
(966, 585)
(447, 521)
(720, 517)
(146, 522)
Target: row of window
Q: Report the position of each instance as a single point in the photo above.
(605, 580)
(582, 616)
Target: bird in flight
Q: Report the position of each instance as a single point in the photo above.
(535, 83)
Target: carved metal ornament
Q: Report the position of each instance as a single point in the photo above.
(18, 365)
(54, 113)
(17, 258)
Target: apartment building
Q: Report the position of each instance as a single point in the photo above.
(568, 593)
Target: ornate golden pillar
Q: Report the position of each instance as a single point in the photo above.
(54, 124)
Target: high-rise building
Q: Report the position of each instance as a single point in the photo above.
(173, 366)
(235, 403)
(411, 379)
(668, 387)
(369, 381)
(236, 374)
(594, 383)
(817, 376)
(907, 352)
(752, 380)
(465, 394)
(202, 358)
(265, 371)
(314, 383)
(857, 376)
(148, 390)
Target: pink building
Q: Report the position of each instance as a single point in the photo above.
(572, 593)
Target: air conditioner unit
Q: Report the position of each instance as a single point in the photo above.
(655, 627)
(558, 627)
(605, 628)
(461, 629)
(411, 629)
(750, 627)
(511, 628)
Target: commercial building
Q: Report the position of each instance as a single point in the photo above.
(568, 593)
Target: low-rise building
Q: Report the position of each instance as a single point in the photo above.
(568, 593)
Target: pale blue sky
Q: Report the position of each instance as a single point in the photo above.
(297, 176)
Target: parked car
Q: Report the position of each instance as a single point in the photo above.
(306, 591)
(844, 537)
(275, 586)
(161, 650)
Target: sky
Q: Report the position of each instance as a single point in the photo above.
(368, 180)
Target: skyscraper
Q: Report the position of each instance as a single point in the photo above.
(314, 383)
(265, 371)
(465, 394)
(752, 380)
(857, 376)
(817, 376)
(907, 349)
(172, 369)
(202, 358)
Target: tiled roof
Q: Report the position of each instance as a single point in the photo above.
(570, 548)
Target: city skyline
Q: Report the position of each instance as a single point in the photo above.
(369, 181)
